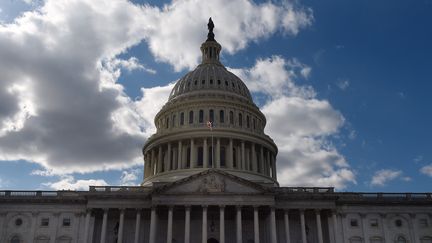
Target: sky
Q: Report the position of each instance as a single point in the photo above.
(344, 86)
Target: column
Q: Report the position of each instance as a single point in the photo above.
(364, 226)
(230, 160)
(273, 225)
(218, 164)
(335, 227)
(287, 228)
(179, 156)
(87, 226)
(243, 161)
(205, 154)
(152, 162)
(239, 224)
(174, 158)
(319, 228)
(273, 162)
(412, 228)
(104, 225)
(152, 238)
(256, 225)
(187, 224)
(384, 227)
(254, 158)
(3, 222)
(170, 221)
(121, 226)
(204, 224)
(33, 225)
(303, 226)
(146, 169)
(192, 163)
(168, 164)
(262, 169)
(268, 165)
(137, 225)
(222, 224)
(160, 158)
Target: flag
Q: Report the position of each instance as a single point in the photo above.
(210, 125)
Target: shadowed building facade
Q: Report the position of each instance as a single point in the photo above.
(210, 176)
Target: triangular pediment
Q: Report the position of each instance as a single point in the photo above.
(212, 181)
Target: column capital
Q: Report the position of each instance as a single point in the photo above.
(221, 206)
(383, 215)
(170, 207)
(187, 206)
(122, 210)
(302, 210)
(34, 214)
(256, 206)
(317, 210)
(239, 207)
(138, 210)
(204, 206)
(363, 215)
(105, 210)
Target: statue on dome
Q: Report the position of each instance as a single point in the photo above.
(210, 26)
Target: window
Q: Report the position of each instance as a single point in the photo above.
(18, 222)
(426, 239)
(254, 124)
(373, 222)
(234, 158)
(201, 116)
(247, 122)
(401, 239)
(167, 123)
(226, 83)
(200, 156)
(66, 222)
(231, 117)
(219, 82)
(222, 156)
(221, 116)
(173, 121)
(190, 117)
(188, 157)
(354, 223)
(211, 81)
(44, 222)
(182, 119)
(211, 115)
(398, 223)
(15, 239)
(355, 239)
(240, 119)
(423, 222)
(376, 239)
(211, 155)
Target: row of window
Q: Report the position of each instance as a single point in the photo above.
(423, 222)
(398, 239)
(42, 239)
(172, 121)
(44, 222)
(220, 84)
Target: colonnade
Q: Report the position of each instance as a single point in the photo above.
(204, 234)
(210, 152)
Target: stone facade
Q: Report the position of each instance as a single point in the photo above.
(210, 176)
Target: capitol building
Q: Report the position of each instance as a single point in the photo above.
(210, 176)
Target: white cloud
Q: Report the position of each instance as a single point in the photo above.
(300, 124)
(427, 170)
(343, 84)
(60, 103)
(382, 177)
(69, 183)
(130, 177)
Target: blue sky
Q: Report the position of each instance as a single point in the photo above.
(344, 86)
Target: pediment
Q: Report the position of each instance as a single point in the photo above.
(212, 181)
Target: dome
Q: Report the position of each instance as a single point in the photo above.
(210, 122)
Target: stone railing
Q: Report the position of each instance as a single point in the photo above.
(10, 193)
(117, 189)
(306, 189)
(387, 195)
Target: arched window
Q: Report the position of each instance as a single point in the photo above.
(173, 121)
(221, 116)
(401, 239)
(426, 239)
(167, 123)
(247, 122)
(182, 119)
(231, 117)
(190, 117)
(211, 115)
(201, 116)
(15, 239)
(240, 119)
(254, 123)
